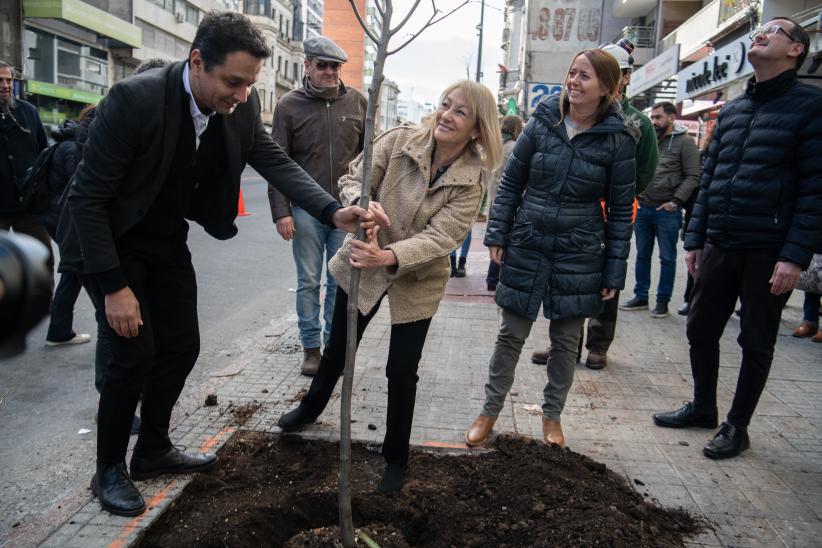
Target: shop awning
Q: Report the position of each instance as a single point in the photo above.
(63, 92)
(86, 16)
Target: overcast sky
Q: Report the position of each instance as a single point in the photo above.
(439, 55)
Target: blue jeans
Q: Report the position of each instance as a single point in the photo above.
(662, 226)
(466, 244)
(811, 307)
(311, 240)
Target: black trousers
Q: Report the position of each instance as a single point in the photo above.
(404, 353)
(156, 362)
(602, 327)
(724, 275)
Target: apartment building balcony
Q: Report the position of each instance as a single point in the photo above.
(712, 21)
(643, 39)
(633, 8)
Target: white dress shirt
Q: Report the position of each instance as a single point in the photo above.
(200, 120)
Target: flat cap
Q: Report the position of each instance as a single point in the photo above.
(324, 49)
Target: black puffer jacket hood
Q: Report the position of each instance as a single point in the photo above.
(559, 250)
(762, 181)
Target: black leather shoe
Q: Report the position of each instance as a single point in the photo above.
(393, 479)
(729, 442)
(114, 489)
(295, 419)
(685, 417)
(171, 461)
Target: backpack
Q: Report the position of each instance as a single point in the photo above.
(34, 192)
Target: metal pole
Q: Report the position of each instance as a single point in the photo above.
(479, 53)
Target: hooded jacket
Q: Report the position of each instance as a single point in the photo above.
(646, 147)
(761, 187)
(321, 135)
(63, 164)
(558, 250)
(677, 174)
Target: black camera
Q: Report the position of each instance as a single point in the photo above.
(25, 289)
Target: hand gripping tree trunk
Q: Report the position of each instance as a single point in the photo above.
(385, 10)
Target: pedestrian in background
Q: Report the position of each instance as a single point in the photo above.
(659, 216)
(559, 249)
(755, 226)
(321, 127)
(429, 180)
(511, 128)
(22, 138)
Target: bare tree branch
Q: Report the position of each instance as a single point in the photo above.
(396, 29)
(380, 8)
(366, 29)
(433, 20)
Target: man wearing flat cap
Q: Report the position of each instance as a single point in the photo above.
(321, 127)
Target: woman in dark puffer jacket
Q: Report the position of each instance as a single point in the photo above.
(63, 163)
(548, 230)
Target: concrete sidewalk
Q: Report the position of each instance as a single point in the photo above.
(769, 496)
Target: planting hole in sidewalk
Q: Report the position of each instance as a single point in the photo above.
(271, 490)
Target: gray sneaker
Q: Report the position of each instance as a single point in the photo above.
(635, 304)
(311, 362)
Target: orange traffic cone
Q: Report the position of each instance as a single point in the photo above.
(241, 212)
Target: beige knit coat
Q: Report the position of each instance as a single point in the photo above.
(426, 223)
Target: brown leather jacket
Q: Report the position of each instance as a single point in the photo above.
(321, 136)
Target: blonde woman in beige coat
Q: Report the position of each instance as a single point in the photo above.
(429, 181)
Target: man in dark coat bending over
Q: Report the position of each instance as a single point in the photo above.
(168, 145)
(755, 225)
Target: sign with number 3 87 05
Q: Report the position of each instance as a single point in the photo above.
(565, 26)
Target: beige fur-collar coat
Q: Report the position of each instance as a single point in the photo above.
(426, 223)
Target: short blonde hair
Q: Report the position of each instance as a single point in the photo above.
(488, 145)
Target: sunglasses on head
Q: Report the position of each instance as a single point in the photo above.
(322, 65)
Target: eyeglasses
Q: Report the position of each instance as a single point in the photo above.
(322, 65)
(768, 31)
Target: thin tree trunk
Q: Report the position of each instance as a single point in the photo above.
(346, 519)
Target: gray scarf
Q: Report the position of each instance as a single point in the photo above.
(327, 93)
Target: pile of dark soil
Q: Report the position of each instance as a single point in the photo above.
(270, 490)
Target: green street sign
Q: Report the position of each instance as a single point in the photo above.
(511, 107)
(62, 92)
(86, 16)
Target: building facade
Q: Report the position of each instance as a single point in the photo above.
(69, 52)
(539, 39)
(388, 112)
(700, 58)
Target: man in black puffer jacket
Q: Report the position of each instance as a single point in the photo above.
(755, 225)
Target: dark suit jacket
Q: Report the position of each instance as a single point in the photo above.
(129, 152)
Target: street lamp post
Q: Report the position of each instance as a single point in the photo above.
(479, 53)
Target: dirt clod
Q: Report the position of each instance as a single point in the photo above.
(211, 400)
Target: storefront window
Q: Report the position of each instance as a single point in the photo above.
(56, 60)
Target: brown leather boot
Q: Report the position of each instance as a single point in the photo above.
(596, 360)
(477, 434)
(807, 329)
(552, 433)
(311, 362)
(540, 357)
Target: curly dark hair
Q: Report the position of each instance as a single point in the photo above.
(224, 32)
